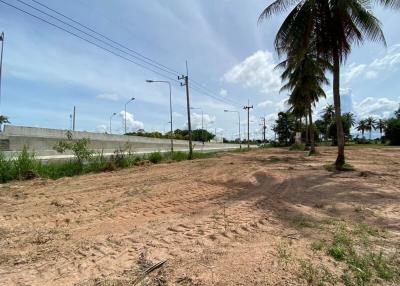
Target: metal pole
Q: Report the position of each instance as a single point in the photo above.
(240, 138)
(186, 84)
(124, 120)
(170, 114)
(111, 119)
(73, 120)
(1, 63)
(202, 126)
(125, 111)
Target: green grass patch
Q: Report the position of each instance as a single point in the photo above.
(334, 168)
(364, 263)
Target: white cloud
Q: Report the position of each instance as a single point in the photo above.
(102, 128)
(376, 107)
(282, 105)
(196, 120)
(264, 103)
(388, 63)
(257, 71)
(223, 92)
(353, 71)
(177, 114)
(108, 96)
(131, 123)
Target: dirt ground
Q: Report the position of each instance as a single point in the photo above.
(237, 219)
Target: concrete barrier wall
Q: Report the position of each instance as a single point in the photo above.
(42, 141)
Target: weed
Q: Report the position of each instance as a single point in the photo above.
(284, 254)
(343, 168)
(318, 245)
(316, 275)
(155, 157)
(6, 169)
(303, 222)
(24, 165)
(297, 147)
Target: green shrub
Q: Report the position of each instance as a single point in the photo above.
(25, 165)
(179, 156)
(6, 169)
(155, 157)
(56, 170)
(297, 147)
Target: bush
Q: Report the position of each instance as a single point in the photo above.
(392, 132)
(179, 156)
(25, 165)
(56, 170)
(297, 147)
(155, 157)
(6, 169)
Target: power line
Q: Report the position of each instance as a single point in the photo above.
(125, 47)
(106, 37)
(96, 38)
(197, 86)
(89, 41)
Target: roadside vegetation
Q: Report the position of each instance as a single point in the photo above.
(26, 166)
(344, 254)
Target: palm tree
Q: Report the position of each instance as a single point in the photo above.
(3, 119)
(370, 124)
(304, 77)
(362, 126)
(381, 125)
(349, 118)
(330, 27)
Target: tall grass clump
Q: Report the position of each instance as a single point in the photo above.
(6, 169)
(155, 157)
(25, 165)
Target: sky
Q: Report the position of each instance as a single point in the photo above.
(231, 59)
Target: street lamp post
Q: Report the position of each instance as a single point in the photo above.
(112, 115)
(202, 121)
(1, 63)
(132, 99)
(238, 113)
(170, 107)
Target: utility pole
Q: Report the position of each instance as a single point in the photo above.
(248, 107)
(73, 119)
(264, 128)
(1, 63)
(185, 78)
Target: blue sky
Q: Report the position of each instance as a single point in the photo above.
(47, 72)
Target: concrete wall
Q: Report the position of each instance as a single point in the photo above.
(42, 141)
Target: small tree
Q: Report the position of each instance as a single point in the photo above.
(3, 120)
(80, 148)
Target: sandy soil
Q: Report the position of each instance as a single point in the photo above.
(219, 221)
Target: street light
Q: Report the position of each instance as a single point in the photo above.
(112, 115)
(238, 113)
(202, 122)
(170, 107)
(132, 99)
(1, 63)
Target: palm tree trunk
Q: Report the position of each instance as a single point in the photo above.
(312, 142)
(340, 160)
(307, 138)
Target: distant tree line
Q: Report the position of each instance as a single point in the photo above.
(288, 123)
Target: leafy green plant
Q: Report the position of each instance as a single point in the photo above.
(155, 157)
(25, 165)
(6, 169)
(80, 148)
